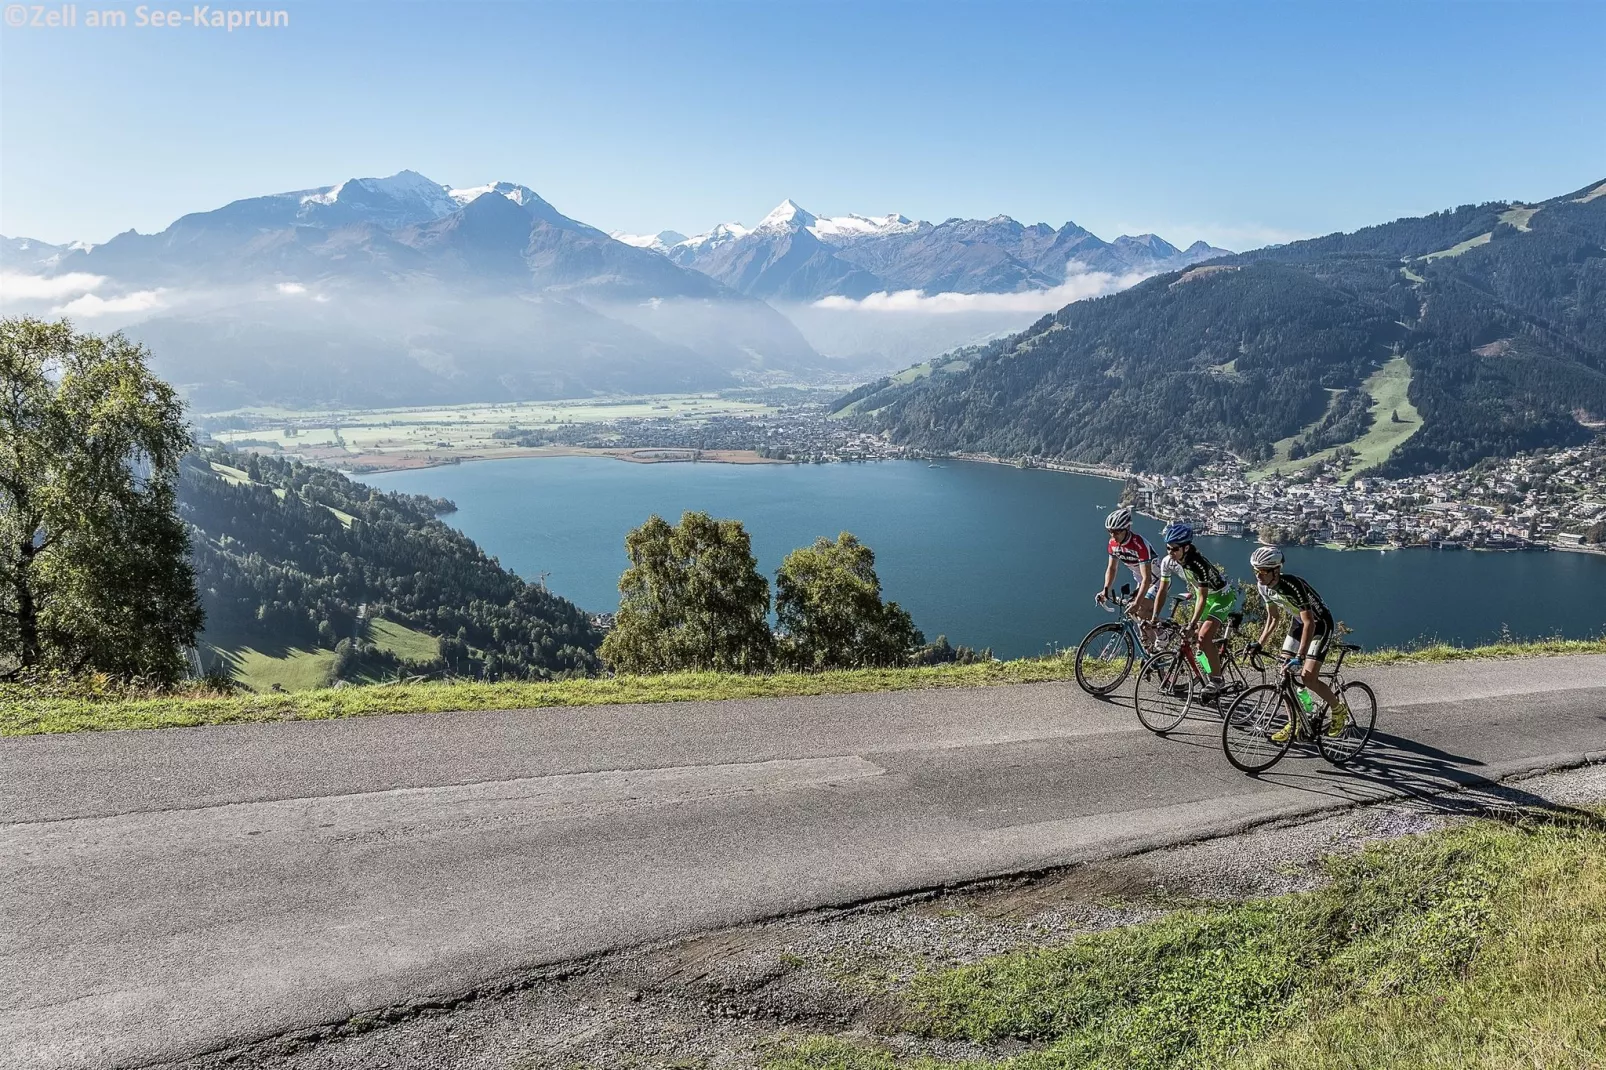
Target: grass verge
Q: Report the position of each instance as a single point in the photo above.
(29, 711)
(1483, 946)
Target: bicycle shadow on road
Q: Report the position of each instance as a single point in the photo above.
(1391, 768)
(1394, 768)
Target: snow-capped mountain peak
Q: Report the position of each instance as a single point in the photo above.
(404, 188)
(661, 242)
(721, 234)
(787, 214)
(847, 227)
(523, 196)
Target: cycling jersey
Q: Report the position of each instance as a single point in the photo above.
(1294, 595)
(1200, 574)
(1134, 553)
(1206, 580)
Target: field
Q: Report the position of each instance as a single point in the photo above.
(418, 437)
(290, 668)
(1388, 387)
(1518, 216)
(1461, 247)
(904, 378)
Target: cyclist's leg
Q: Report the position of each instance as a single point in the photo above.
(1310, 674)
(1143, 609)
(1209, 628)
(1217, 607)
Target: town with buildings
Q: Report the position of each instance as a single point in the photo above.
(1550, 500)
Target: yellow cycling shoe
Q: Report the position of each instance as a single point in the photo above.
(1340, 720)
(1283, 734)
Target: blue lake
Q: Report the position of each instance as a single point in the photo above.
(985, 554)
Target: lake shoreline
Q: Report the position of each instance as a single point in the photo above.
(985, 556)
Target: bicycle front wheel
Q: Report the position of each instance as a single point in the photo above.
(1253, 720)
(1104, 658)
(1362, 703)
(1164, 693)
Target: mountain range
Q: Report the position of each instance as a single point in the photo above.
(795, 255)
(401, 290)
(1494, 314)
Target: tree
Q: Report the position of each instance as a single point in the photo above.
(828, 602)
(94, 561)
(692, 598)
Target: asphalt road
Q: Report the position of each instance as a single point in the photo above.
(166, 893)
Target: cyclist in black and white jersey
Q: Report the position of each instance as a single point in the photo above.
(1310, 630)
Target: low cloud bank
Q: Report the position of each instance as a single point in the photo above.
(15, 286)
(91, 306)
(84, 296)
(1079, 285)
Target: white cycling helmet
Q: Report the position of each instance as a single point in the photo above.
(1266, 557)
(1121, 518)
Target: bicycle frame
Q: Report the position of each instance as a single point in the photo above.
(1134, 626)
(1305, 726)
(1229, 668)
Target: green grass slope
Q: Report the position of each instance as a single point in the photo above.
(1479, 947)
(292, 560)
(1389, 388)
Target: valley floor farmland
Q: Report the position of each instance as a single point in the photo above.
(382, 439)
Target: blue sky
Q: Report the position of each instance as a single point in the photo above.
(1238, 123)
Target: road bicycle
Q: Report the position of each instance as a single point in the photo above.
(1170, 684)
(1105, 656)
(1260, 713)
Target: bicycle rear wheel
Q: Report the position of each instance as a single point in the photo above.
(1104, 658)
(1163, 694)
(1246, 732)
(1340, 749)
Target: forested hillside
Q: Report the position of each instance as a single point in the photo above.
(1498, 309)
(285, 554)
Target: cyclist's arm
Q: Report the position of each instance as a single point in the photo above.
(1272, 615)
(1198, 606)
(1160, 593)
(1109, 576)
(1145, 581)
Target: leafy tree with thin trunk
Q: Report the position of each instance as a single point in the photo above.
(94, 561)
(828, 603)
(692, 598)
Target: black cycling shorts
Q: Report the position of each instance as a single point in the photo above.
(1318, 645)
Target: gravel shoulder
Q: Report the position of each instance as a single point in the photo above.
(721, 1000)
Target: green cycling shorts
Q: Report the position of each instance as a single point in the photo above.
(1218, 605)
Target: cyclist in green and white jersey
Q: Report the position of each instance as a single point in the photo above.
(1213, 596)
(1310, 631)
